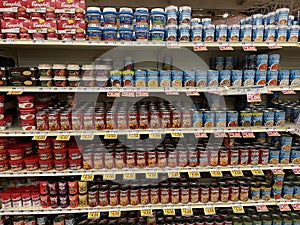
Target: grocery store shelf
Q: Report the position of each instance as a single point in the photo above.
(40, 210)
(158, 170)
(72, 44)
(17, 131)
(167, 90)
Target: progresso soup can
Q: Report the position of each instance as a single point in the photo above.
(260, 77)
(248, 77)
(293, 33)
(281, 33)
(279, 117)
(284, 77)
(197, 119)
(257, 118)
(232, 118)
(201, 78)
(246, 33)
(262, 62)
(272, 77)
(245, 118)
(224, 78)
(295, 77)
(189, 78)
(236, 78)
(268, 118)
(258, 33)
(208, 118)
(270, 33)
(274, 61)
(220, 119)
(213, 78)
(234, 33)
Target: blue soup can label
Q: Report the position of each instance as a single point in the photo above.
(116, 78)
(140, 78)
(236, 78)
(284, 156)
(165, 78)
(220, 119)
(268, 118)
(197, 119)
(248, 78)
(295, 155)
(295, 77)
(177, 78)
(284, 77)
(272, 77)
(201, 78)
(232, 118)
(224, 78)
(286, 142)
(260, 77)
(152, 78)
(208, 119)
(262, 62)
(274, 156)
(246, 33)
(274, 61)
(189, 78)
(279, 117)
(128, 78)
(213, 78)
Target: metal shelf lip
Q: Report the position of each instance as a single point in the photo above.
(159, 170)
(40, 210)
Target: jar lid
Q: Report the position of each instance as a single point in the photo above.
(109, 9)
(125, 10)
(45, 66)
(87, 67)
(73, 67)
(59, 66)
(157, 10)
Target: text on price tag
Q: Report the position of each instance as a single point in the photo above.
(177, 134)
(109, 176)
(209, 210)
(133, 135)
(154, 135)
(225, 47)
(296, 171)
(128, 94)
(199, 46)
(236, 173)
(253, 97)
(249, 47)
(173, 44)
(110, 135)
(87, 177)
(216, 173)
(151, 175)
(238, 209)
(257, 172)
(273, 45)
(288, 92)
(262, 208)
(220, 134)
(87, 137)
(296, 206)
(186, 211)
(248, 134)
(192, 93)
(93, 215)
(146, 212)
(63, 137)
(15, 92)
(113, 94)
(284, 207)
(194, 174)
(129, 176)
(199, 134)
(39, 138)
(278, 171)
(234, 134)
(143, 93)
(114, 213)
(273, 134)
(169, 211)
(173, 174)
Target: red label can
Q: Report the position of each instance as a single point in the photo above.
(99, 120)
(165, 119)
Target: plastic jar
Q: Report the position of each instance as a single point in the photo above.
(93, 15)
(60, 70)
(110, 34)
(110, 15)
(46, 165)
(31, 163)
(25, 101)
(125, 16)
(4, 165)
(45, 70)
(126, 34)
(16, 165)
(60, 165)
(60, 154)
(141, 16)
(75, 164)
(157, 17)
(16, 154)
(157, 34)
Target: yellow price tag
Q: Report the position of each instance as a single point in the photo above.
(238, 209)
(194, 174)
(87, 177)
(63, 137)
(216, 173)
(110, 136)
(173, 174)
(114, 213)
(151, 175)
(236, 173)
(257, 172)
(209, 211)
(87, 137)
(133, 136)
(186, 211)
(109, 176)
(39, 138)
(15, 92)
(169, 212)
(129, 176)
(177, 134)
(154, 135)
(93, 215)
(146, 212)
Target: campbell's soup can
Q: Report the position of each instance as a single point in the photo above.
(268, 118)
(245, 118)
(224, 78)
(220, 119)
(262, 62)
(201, 78)
(253, 156)
(232, 118)
(244, 156)
(208, 118)
(197, 119)
(248, 77)
(213, 78)
(284, 77)
(186, 118)
(176, 118)
(263, 155)
(279, 117)
(166, 119)
(272, 77)
(274, 61)
(236, 78)
(234, 156)
(203, 157)
(295, 77)
(260, 77)
(257, 118)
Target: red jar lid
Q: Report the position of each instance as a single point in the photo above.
(46, 162)
(31, 160)
(5, 196)
(60, 161)
(16, 151)
(20, 161)
(3, 162)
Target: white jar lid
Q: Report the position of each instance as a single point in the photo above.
(45, 66)
(59, 66)
(93, 9)
(87, 67)
(126, 10)
(157, 10)
(171, 8)
(185, 8)
(109, 9)
(73, 67)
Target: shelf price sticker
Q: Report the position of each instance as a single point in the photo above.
(200, 134)
(194, 174)
(87, 177)
(236, 173)
(296, 206)
(93, 215)
(238, 209)
(15, 91)
(133, 135)
(209, 210)
(277, 171)
(296, 171)
(225, 46)
(129, 175)
(216, 173)
(142, 93)
(273, 133)
(154, 135)
(109, 176)
(173, 174)
(39, 137)
(113, 94)
(249, 47)
(273, 45)
(187, 211)
(171, 91)
(177, 134)
(114, 213)
(169, 211)
(63, 137)
(151, 175)
(261, 208)
(219, 134)
(192, 92)
(234, 134)
(257, 172)
(87, 137)
(110, 135)
(173, 44)
(199, 46)
(248, 134)
(128, 93)
(253, 97)
(283, 207)
(146, 212)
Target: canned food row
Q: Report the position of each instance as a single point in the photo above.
(291, 108)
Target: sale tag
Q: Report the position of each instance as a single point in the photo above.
(220, 134)
(194, 174)
(209, 210)
(199, 134)
(273, 45)
(93, 215)
(296, 171)
(129, 176)
(128, 94)
(296, 206)
(173, 174)
(63, 137)
(173, 44)
(171, 91)
(288, 92)
(225, 47)
(146, 212)
(199, 46)
(234, 134)
(257, 172)
(236, 173)
(154, 135)
(253, 97)
(15, 92)
(87, 137)
(283, 207)
(114, 213)
(110, 135)
(238, 209)
(216, 173)
(186, 211)
(192, 93)
(151, 175)
(177, 134)
(87, 177)
(113, 94)
(39, 138)
(133, 135)
(249, 134)
(143, 93)
(273, 133)
(249, 47)
(109, 176)
(278, 171)
(262, 208)
(169, 211)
